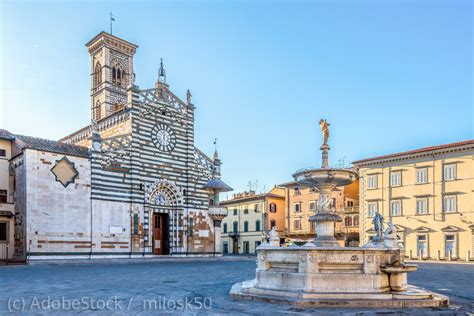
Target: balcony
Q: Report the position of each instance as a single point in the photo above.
(350, 209)
(234, 234)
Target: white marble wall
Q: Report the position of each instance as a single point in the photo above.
(57, 218)
(111, 226)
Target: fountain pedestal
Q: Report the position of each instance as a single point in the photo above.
(325, 219)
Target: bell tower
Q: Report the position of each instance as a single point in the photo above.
(111, 73)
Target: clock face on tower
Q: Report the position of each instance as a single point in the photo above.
(163, 137)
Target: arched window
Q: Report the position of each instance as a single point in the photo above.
(96, 111)
(257, 225)
(356, 220)
(246, 226)
(119, 77)
(273, 208)
(235, 227)
(118, 74)
(348, 221)
(224, 228)
(273, 223)
(97, 74)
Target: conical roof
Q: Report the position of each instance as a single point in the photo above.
(218, 185)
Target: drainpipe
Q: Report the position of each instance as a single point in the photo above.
(434, 188)
(383, 200)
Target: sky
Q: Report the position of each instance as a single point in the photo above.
(388, 76)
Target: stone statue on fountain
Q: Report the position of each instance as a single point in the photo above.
(377, 221)
(274, 239)
(390, 236)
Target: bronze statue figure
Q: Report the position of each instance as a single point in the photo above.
(325, 129)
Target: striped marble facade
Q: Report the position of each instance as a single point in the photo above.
(129, 165)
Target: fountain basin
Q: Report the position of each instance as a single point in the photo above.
(325, 217)
(314, 177)
(309, 276)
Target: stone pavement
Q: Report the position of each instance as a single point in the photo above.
(190, 286)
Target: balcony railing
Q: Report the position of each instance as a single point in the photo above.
(234, 234)
(351, 209)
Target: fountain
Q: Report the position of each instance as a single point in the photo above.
(321, 273)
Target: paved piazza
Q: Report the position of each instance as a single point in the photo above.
(165, 285)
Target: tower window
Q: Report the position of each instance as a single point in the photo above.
(118, 75)
(96, 111)
(97, 74)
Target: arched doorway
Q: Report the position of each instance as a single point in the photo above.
(164, 202)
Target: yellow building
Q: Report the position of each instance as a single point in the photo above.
(249, 217)
(302, 203)
(7, 207)
(428, 194)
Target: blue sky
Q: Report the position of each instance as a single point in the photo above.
(387, 75)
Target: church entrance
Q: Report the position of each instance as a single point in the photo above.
(160, 234)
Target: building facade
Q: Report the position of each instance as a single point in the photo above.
(7, 206)
(132, 183)
(428, 194)
(302, 202)
(250, 217)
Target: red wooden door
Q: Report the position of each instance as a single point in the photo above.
(158, 234)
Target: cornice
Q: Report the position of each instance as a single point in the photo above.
(106, 39)
(417, 153)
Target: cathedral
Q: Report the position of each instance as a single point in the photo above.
(129, 184)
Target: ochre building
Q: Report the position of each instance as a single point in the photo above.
(302, 202)
(428, 193)
(250, 217)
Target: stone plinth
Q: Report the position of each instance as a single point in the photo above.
(350, 276)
